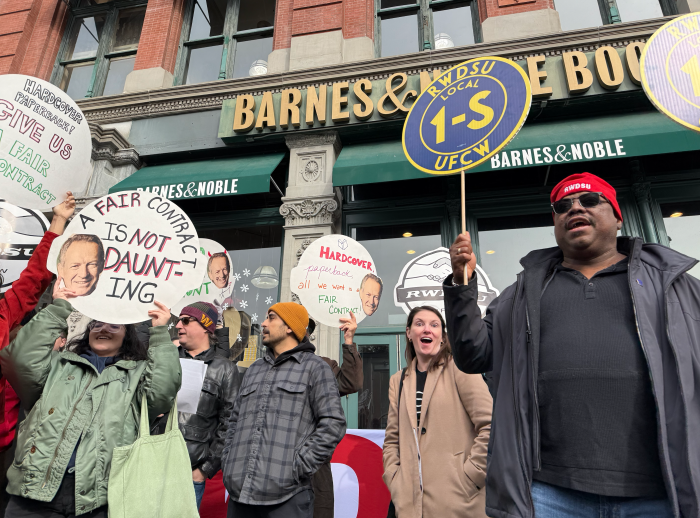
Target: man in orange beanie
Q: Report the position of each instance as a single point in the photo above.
(284, 425)
(595, 365)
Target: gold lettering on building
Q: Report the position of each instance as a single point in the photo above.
(608, 68)
(244, 116)
(266, 114)
(390, 95)
(291, 100)
(578, 78)
(316, 104)
(537, 77)
(632, 54)
(365, 108)
(339, 101)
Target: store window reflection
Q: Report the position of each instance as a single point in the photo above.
(682, 221)
(390, 251)
(632, 10)
(255, 267)
(578, 14)
(373, 401)
(504, 241)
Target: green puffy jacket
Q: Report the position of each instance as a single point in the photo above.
(70, 401)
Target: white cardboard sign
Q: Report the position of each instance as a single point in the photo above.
(336, 275)
(45, 143)
(123, 252)
(217, 285)
(21, 231)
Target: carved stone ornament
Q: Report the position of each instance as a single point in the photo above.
(309, 212)
(304, 245)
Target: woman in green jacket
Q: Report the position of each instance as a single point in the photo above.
(83, 402)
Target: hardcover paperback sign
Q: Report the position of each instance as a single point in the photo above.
(467, 115)
(45, 143)
(216, 287)
(20, 231)
(123, 252)
(336, 275)
(671, 70)
(421, 281)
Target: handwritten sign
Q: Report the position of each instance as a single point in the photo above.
(217, 285)
(45, 143)
(21, 231)
(336, 275)
(670, 67)
(467, 115)
(123, 252)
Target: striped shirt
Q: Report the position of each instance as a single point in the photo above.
(420, 386)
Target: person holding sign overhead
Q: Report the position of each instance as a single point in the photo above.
(595, 362)
(285, 423)
(19, 300)
(85, 402)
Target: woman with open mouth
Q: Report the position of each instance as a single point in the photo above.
(83, 402)
(438, 428)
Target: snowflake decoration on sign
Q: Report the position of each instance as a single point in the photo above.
(170, 326)
(246, 272)
(237, 276)
(268, 300)
(225, 306)
(244, 304)
(238, 338)
(254, 317)
(244, 288)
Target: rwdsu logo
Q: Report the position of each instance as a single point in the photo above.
(575, 186)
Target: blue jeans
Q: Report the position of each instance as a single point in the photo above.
(199, 491)
(559, 502)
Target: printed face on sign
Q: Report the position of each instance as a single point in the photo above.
(125, 251)
(45, 143)
(80, 262)
(336, 275)
(219, 268)
(370, 293)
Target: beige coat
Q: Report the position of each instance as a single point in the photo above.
(452, 439)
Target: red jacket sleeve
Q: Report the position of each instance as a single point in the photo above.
(25, 292)
(10, 402)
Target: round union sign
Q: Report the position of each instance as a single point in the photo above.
(670, 67)
(466, 115)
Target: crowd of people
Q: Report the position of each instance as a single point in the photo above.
(577, 395)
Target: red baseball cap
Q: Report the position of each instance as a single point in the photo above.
(586, 182)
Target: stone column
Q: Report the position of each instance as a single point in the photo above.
(311, 209)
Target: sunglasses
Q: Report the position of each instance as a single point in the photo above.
(186, 320)
(587, 201)
(97, 326)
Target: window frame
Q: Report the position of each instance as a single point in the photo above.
(426, 30)
(229, 38)
(103, 55)
(610, 13)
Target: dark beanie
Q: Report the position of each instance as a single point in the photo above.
(205, 313)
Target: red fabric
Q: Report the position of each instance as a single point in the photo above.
(586, 182)
(18, 301)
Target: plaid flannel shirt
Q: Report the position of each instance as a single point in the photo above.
(286, 422)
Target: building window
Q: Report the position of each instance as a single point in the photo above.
(681, 220)
(582, 14)
(404, 26)
(99, 48)
(225, 39)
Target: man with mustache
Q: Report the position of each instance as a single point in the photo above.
(595, 361)
(80, 263)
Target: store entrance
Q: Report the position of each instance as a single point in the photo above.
(382, 355)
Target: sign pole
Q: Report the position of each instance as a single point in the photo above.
(464, 218)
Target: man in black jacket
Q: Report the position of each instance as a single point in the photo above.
(205, 431)
(595, 359)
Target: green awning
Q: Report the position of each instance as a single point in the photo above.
(206, 178)
(550, 143)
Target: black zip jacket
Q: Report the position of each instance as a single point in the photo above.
(666, 304)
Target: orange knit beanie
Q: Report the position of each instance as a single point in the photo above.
(294, 315)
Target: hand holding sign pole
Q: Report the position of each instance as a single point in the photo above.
(465, 116)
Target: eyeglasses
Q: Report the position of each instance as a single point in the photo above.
(186, 320)
(587, 201)
(97, 326)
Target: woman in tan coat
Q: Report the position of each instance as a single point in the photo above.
(438, 432)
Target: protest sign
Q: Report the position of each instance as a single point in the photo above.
(123, 252)
(21, 231)
(422, 278)
(670, 70)
(216, 286)
(336, 275)
(45, 143)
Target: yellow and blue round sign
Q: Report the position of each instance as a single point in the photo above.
(670, 67)
(467, 115)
